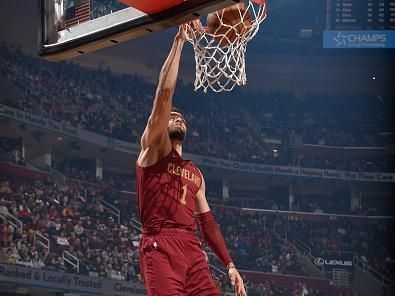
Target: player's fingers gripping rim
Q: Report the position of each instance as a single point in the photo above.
(183, 31)
(197, 25)
(196, 29)
(187, 31)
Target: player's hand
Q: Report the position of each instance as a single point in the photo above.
(191, 30)
(182, 33)
(197, 28)
(196, 25)
(237, 282)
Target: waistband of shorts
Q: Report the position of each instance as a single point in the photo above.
(167, 231)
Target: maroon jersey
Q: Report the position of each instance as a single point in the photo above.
(167, 192)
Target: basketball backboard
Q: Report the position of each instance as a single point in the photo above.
(70, 28)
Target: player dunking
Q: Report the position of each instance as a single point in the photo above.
(171, 193)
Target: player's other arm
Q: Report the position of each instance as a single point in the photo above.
(155, 141)
(213, 236)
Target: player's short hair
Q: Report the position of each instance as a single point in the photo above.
(175, 109)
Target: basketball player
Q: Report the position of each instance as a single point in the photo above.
(171, 193)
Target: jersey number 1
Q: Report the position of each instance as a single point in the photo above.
(183, 199)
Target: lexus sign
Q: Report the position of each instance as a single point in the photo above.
(332, 262)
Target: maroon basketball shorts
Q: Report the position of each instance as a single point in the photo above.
(173, 263)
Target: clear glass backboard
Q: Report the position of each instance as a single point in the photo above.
(70, 28)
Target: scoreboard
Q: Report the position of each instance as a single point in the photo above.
(360, 15)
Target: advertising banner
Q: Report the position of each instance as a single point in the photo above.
(130, 148)
(359, 39)
(290, 171)
(68, 130)
(319, 261)
(67, 282)
(334, 259)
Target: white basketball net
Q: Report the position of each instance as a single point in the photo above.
(220, 68)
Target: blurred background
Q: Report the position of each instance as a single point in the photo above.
(299, 162)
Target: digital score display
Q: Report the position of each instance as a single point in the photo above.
(360, 15)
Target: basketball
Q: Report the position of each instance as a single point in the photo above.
(235, 20)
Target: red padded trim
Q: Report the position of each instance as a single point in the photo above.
(151, 6)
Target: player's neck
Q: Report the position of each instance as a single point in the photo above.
(177, 145)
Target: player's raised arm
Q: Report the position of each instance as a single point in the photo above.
(155, 142)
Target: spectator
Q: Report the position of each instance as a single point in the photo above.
(79, 229)
(6, 233)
